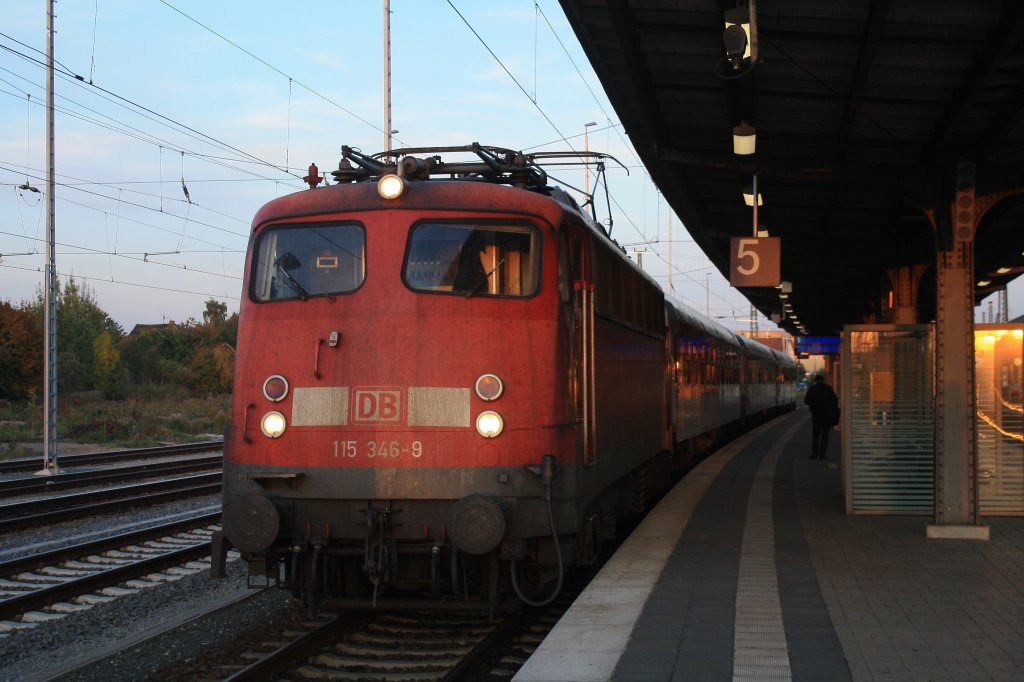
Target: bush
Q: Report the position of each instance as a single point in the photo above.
(212, 369)
(21, 353)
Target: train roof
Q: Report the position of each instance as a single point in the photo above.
(765, 351)
(679, 312)
(494, 165)
(784, 358)
(757, 348)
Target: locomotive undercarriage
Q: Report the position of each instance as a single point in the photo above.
(389, 567)
(401, 575)
(401, 554)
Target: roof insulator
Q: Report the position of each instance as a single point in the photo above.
(345, 172)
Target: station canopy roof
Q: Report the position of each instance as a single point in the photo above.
(862, 110)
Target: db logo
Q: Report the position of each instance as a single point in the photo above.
(377, 405)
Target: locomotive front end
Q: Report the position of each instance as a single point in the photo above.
(398, 383)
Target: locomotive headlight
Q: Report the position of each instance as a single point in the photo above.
(390, 186)
(275, 388)
(489, 424)
(489, 387)
(273, 424)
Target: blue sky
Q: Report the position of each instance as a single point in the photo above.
(163, 99)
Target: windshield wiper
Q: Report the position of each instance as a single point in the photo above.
(472, 290)
(281, 267)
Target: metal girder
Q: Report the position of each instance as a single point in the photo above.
(1005, 37)
(632, 54)
(879, 11)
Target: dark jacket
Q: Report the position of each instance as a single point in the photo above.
(823, 401)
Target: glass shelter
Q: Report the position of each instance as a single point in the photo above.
(888, 424)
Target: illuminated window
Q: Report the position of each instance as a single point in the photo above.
(473, 259)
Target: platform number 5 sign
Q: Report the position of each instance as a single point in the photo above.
(755, 262)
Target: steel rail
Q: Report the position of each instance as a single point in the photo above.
(76, 499)
(55, 556)
(498, 637)
(275, 660)
(33, 464)
(193, 487)
(21, 486)
(12, 606)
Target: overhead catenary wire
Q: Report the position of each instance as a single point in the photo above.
(141, 108)
(95, 23)
(135, 133)
(85, 250)
(548, 119)
(272, 67)
(81, 189)
(509, 73)
(119, 186)
(617, 128)
(586, 84)
(100, 279)
(144, 224)
(145, 137)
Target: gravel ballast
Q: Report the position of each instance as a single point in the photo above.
(30, 653)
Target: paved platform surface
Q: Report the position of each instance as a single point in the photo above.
(750, 569)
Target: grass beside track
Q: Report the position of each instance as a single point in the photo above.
(147, 417)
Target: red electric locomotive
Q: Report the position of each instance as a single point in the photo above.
(450, 384)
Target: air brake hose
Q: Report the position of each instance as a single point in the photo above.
(548, 475)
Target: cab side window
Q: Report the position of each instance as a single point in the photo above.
(473, 259)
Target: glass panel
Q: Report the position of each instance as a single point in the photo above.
(473, 260)
(308, 261)
(998, 353)
(889, 420)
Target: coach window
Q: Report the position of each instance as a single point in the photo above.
(307, 261)
(473, 259)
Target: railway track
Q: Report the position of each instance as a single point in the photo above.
(33, 464)
(233, 638)
(77, 577)
(37, 484)
(385, 646)
(54, 509)
(399, 646)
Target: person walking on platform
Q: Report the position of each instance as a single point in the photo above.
(824, 404)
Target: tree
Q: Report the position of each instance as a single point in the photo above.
(215, 313)
(106, 367)
(21, 353)
(229, 331)
(79, 321)
(158, 356)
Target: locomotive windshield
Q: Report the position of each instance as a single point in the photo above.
(473, 259)
(309, 260)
